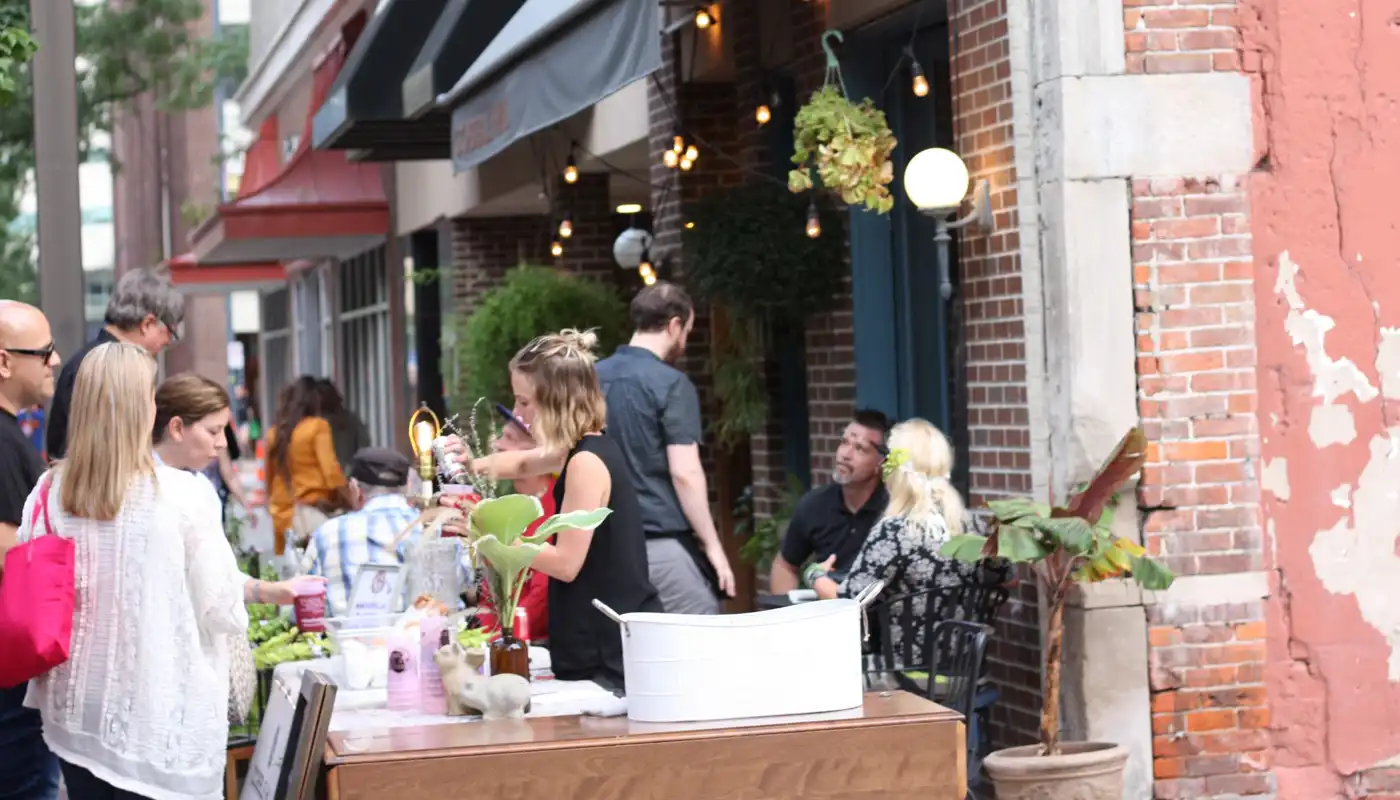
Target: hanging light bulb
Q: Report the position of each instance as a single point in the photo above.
(644, 266)
(670, 159)
(566, 227)
(649, 279)
(678, 144)
(686, 164)
(556, 249)
(814, 222)
(570, 171)
(692, 154)
(917, 72)
(703, 17)
(646, 271)
(762, 114)
(690, 225)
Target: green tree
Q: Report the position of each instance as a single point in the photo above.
(125, 50)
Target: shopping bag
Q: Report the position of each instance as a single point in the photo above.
(36, 601)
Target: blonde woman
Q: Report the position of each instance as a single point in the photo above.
(140, 709)
(902, 548)
(554, 382)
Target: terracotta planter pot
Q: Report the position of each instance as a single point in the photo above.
(1082, 771)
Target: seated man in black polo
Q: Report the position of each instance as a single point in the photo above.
(834, 519)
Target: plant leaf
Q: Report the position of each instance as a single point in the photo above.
(1125, 462)
(572, 521)
(964, 547)
(509, 561)
(1014, 508)
(1072, 534)
(1151, 575)
(1019, 546)
(505, 518)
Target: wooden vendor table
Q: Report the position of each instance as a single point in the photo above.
(896, 746)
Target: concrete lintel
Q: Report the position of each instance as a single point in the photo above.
(1143, 126)
(1212, 590)
(1079, 37)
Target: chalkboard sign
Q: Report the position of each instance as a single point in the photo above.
(286, 760)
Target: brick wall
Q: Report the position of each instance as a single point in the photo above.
(484, 248)
(590, 250)
(997, 416)
(1164, 36)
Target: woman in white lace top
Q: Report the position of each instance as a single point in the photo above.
(140, 708)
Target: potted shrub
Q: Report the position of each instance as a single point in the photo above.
(1063, 546)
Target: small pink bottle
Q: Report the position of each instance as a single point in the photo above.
(432, 698)
(403, 672)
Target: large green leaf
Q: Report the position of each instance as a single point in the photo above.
(1151, 575)
(1015, 508)
(505, 518)
(1019, 545)
(1073, 534)
(572, 521)
(964, 547)
(507, 560)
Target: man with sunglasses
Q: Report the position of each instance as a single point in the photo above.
(27, 362)
(145, 309)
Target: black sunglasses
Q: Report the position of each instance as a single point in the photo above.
(45, 354)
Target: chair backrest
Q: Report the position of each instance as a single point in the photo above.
(974, 594)
(959, 648)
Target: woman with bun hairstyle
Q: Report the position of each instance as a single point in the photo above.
(902, 548)
(553, 378)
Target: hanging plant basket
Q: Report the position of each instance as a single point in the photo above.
(848, 145)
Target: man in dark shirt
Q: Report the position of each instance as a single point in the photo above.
(145, 309)
(27, 361)
(833, 520)
(654, 415)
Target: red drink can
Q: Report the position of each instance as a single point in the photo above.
(522, 625)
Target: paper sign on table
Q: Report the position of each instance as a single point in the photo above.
(376, 588)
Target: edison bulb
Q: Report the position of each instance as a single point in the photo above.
(571, 172)
(649, 279)
(556, 249)
(423, 435)
(686, 164)
(814, 223)
(678, 144)
(670, 159)
(692, 154)
(703, 19)
(646, 270)
(566, 228)
(763, 114)
(920, 82)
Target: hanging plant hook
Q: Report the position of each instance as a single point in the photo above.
(833, 66)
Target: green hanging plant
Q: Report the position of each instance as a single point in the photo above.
(849, 145)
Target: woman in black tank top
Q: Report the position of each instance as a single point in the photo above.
(555, 387)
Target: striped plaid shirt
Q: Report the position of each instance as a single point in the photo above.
(343, 544)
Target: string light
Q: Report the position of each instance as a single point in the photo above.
(686, 164)
(566, 226)
(814, 223)
(556, 249)
(763, 114)
(916, 71)
(690, 225)
(649, 279)
(644, 266)
(678, 144)
(570, 170)
(692, 154)
(704, 18)
(670, 159)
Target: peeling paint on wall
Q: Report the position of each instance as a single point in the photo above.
(1388, 363)
(1357, 555)
(1274, 478)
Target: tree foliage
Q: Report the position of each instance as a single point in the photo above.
(125, 50)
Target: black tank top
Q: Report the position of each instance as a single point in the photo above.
(584, 644)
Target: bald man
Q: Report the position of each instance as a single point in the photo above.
(27, 362)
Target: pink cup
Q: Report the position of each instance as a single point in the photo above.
(310, 607)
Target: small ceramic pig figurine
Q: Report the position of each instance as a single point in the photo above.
(496, 697)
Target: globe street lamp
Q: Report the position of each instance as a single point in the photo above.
(936, 182)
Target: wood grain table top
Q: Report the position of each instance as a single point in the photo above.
(549, 733)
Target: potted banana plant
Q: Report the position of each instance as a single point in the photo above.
(1063, 546)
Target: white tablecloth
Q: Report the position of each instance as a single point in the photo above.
(368, 708)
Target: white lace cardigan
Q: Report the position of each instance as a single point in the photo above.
(142, 701)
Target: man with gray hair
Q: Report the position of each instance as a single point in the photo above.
(145, 309)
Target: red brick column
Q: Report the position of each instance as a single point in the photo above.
(484, 248)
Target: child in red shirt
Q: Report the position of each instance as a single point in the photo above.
(534, 598)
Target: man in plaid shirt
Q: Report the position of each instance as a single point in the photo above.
(337, 550)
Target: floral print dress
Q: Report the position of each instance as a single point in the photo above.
(905, 556)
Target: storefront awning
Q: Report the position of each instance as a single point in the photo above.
(187, 273)
(364, 110)
(554, 59)
(319, 205)
(463, 31)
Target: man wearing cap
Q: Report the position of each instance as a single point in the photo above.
(337, 549)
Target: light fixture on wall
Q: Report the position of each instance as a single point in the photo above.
(631, 247)
(629, 208)
(566, 225)
(936, 181)
(916, 73)
(704, 17)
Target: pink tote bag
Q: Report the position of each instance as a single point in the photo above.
(36, 601)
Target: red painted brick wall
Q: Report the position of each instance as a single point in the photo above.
(990, 264)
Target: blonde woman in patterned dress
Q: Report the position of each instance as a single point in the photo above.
(902, 548)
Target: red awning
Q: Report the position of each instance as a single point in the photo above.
(189, 274)
(319, 205)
